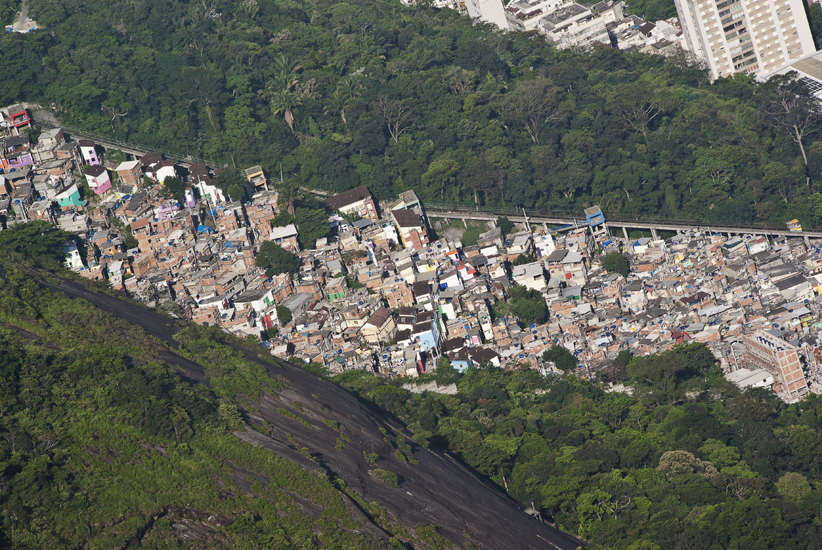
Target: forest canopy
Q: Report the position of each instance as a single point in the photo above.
(372, 92)
(687, 461)
(37, 239)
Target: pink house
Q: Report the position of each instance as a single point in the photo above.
(16, 152)
(166, 210)
(89, 152)
(18, 160)
(98, 179)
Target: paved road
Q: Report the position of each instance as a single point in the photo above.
(23, 22)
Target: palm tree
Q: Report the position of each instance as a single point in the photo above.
(284, 102)
(288, 193)
(348, 86)
(337, 102)
(286, 67)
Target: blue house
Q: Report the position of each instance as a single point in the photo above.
(70, 198)
(466, 358)
(426, 330)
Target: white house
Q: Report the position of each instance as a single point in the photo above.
(544, 244)
(354, 201)
(757, 245)
(166, 170)
(73, 258)
(390, 232)
(466, 272)
(574, 267)
(449, 279)
(285, 237)
(530, 276)
(89, 152)
(521, 244)
(115, 272)
(98, 179)
(257, 300)
(496, 268)
(211, 192)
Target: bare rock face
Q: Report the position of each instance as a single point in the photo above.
(326, 430)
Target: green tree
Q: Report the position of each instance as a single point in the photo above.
(175, 188)
(312, 224)
(231, 183)
(792, 107)
(398, 114)
(387, 477)
(442, 172)
(793, 487)
(505, 225)
(638, 104)
(623, 358)
(445, 372)
(275, 260)
(616, 262)
(283, 315)
(528, 305)
(285, 102)
(288, 193)
(533, 104)
(659, 376)
(523, 259)
(815, 21)
(561, 357)
(36, 239)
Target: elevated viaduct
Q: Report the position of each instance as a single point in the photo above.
(565, 222)
(560, 221)
(132, 151)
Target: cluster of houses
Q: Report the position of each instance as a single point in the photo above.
(569, 24)
(382, 292)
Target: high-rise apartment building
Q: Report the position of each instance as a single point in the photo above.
(766, 349)
(745, 36)
(489, 11)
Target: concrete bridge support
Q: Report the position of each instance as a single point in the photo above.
(570, 223)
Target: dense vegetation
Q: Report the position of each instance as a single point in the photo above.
(561, 357)
(687, 461)
(616, 262)
(528, 305)
(275, 260)
(102, 445)
(36, 239)
(651, 10)
(371, 92)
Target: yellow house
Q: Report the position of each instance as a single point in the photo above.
(255, 175)
(380, 327)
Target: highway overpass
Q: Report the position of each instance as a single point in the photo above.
(566, 222)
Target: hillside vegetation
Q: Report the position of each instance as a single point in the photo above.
(372, 92)
(123, 428)
(104, 447)
(687, 462)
